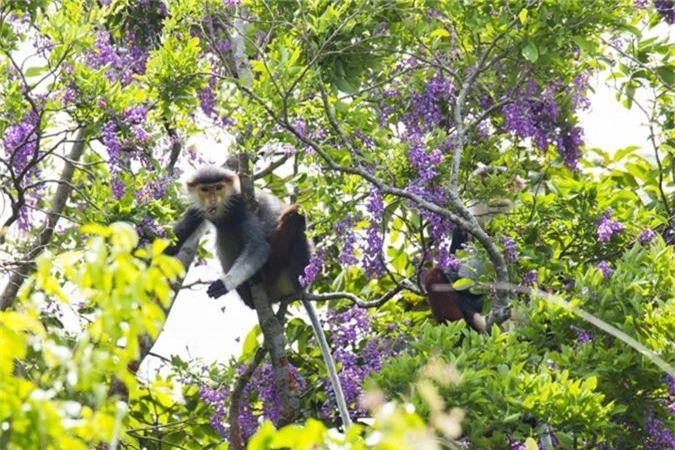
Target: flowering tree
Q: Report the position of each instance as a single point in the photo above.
(387, 122)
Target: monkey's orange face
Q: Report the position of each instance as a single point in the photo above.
(212, 197)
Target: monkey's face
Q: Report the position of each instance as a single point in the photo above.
(212, 197)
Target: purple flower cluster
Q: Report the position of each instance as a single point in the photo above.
(207, 98)
(428, 108)
(372, 252)
(117, 187)
(640, 4)
(312, 269)
(121, 63)
(20, 141)
(666, 9)
(659, 435)
(149, 229)
(606, 227)
(20, 150)
(530, 277)
(151, 190)
(606, 269)
(344, 229)
(260, 390)
(358, 352)
(534, 114)
(216, 399)
(671, 394)
(511, 252)
(583, 336)
(646, 236)
(110, 140)
(445, 260)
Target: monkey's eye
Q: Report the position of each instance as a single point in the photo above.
(219, 187)
(204, 189)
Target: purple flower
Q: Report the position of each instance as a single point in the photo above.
(372, 252)
(207, 98)
(535, 116)
(605, 268)
(583, 336)
(659, 435)
(117, 188)
(646, 236)
(231, 3)
(134, 115)
(69, 95)
(359, 352)
(445, 261)
(313, 268)
(375, 205)
(607, 227)
(344, 229)
(21, 141)
(640, 4)
(110, 140)
(530, 277)
(666, 9)
(511, 252)
(569, 146)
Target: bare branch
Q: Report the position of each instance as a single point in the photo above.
(353, 298)
(57, 204)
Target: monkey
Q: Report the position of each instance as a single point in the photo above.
(269, 246)
(448, 304)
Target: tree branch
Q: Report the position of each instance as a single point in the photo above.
(57, 204)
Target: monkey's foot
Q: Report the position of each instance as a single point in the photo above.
(216, 289)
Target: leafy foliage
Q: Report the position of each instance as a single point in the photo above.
(389, 122)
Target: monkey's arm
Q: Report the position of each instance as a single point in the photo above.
(190, 223)
(251, 259)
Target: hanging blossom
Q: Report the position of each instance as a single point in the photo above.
(121, 62)
(666, 9)
(530, 277)
(371, 249)
(534, 114)
(646, 236)
(659, 435)
(207, 98)
(671, 394)
(583, 336)
(511, 252)
(607, 227)
(358, 353)
(606, 269)
(344, 230)
(20, 149)
(312, 269)
(262, 388)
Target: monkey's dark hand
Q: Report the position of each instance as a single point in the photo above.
(216, 289)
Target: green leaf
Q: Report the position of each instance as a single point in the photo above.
(440, 32)
(666, 74)
(251, 341)
(530, 444)
(36, 71)
(463, 284)
(530, 52)
(522, 15)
